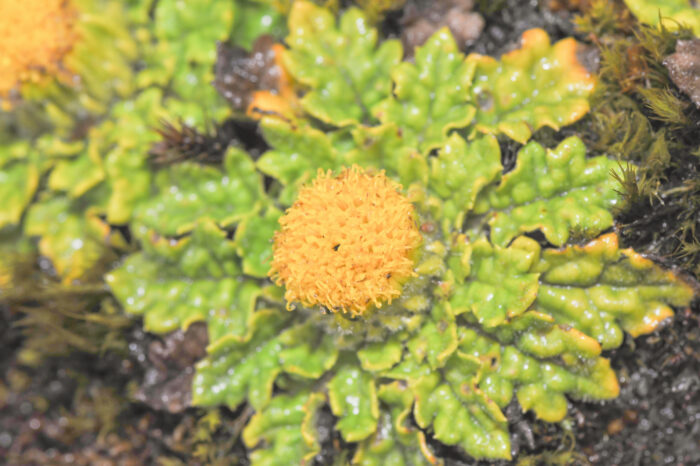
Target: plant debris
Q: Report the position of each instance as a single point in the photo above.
(421, 19)
(168, 376)
(684, 68)
(239, 74)
(188, 143)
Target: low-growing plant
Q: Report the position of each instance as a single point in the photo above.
(377, 259)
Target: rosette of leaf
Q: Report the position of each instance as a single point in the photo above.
(105, 174)
(671, 13)
(181, 231)
(566, 304)
(495, 316)
(537, 85)
(529, 351)
(86, 185)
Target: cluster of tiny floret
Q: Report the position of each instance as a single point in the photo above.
(347, 242)
(34, 37)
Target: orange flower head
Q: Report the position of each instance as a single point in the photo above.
(346, 243)
(34, 37)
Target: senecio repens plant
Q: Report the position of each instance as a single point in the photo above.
(86, 120)
(386, 269)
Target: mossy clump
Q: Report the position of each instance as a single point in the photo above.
(639, 116)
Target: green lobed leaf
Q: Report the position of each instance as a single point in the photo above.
(540, 385)
(14, 151)
(162, 59)
(353, 398)
(308, 353)
(189, 192)
(253, 19)
(554, 191)
(430, 97)
(397, 442)
(195, 26)
(382, 355)
(535, 86)
(244, 368)
(197, 278)
(297, 153)
(461, 171)
(602, 290)
(537, 334)
(123, 140)
(449, 403)
(671, 13)
(499, 285)
(347, 73)
(281, 433)
(385, 148)
(104, 56)
(18, 183)
(409, 369)
(195, 101)
(74, 240)
(254, 241)
(436, 340)
(21, 167)
(78, 175)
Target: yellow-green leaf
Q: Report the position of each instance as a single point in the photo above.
(431, 96)
(537, 85)
(554, 191)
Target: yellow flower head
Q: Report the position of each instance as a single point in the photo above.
(34, 37)
(346, 243)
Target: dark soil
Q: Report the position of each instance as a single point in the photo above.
(82, 409)
(656, 418)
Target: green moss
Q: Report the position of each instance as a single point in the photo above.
(637, 114)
